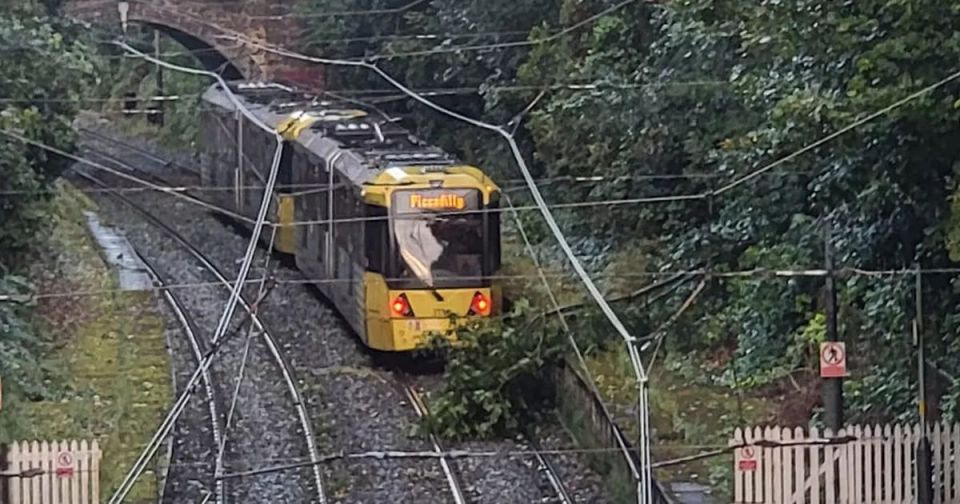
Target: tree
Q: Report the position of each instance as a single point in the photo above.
(727, 87)
(45, 71)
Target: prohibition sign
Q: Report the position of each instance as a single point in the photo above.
(833, 360)
(747, 462)
(65, 465)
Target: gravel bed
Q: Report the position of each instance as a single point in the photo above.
(354, 405)
(191, 470)
(265, 427)
(581, 482)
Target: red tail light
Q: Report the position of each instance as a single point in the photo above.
(401, 306)
(480, 305)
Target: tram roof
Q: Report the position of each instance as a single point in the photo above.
(365, 144)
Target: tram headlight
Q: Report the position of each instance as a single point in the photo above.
(401, 306)
(480, 305)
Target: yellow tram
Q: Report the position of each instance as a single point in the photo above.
(393, 231)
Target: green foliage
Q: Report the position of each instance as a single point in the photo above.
(698, 93)
(135, 76)
(495, 375)
(45, 68)
(446, 24)
(19, 345)
(726, 87)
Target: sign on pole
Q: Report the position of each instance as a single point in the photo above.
(833, 359)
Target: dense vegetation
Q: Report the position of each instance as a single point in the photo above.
(45, 69)
(688, 95)
(496, 381)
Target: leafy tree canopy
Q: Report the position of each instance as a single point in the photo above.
(689, 95)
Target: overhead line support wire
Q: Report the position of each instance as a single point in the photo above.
(850, 127)
(631, 342)
(173, 191)
(521, 162)
(269, 189)
(504, 45)
(645, 483)
(369, 12)
(224, 322)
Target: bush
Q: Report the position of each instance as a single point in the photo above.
(495, 376)
(19, 345)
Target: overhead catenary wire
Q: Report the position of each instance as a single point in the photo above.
(737, 181)
(509, 185)
(235, 294)
(177, 189)
(645, 483)
(218, 335)
(660, 333)
(120, 173)
(167, 425)
(180, 194)
(840, 132)
(469, 454)
(391, 95)
(723, 189)
(351, 13)
(671, 276)
(634, 354)
(557, 309)
(749, 176)
(503, 45)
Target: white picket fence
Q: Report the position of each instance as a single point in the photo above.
(70, 472)
(860, 464)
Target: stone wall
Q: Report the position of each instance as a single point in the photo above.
(204, 24)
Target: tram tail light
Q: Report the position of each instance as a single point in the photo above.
(401, 306)
(480, 305)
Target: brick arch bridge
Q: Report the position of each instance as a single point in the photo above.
(204, 27)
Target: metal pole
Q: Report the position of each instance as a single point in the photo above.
(924, 470)
(832, 387)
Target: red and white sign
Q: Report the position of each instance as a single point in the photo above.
(833, 359)
(748, 459)
(65, 466)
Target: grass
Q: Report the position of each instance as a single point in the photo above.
(110, 361)
(689, 415)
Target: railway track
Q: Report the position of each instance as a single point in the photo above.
(453, 478)
(549, 470)
(199, 348)
(541, 467)
(267, 337)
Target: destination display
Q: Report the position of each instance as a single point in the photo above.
(435, 199)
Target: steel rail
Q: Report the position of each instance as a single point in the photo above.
(547, 467)
(453, 482)
(190, 330)
(268, 338)
(139, 150)
(196, 345)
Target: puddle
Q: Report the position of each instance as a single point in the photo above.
(691, 493)
(119, 254)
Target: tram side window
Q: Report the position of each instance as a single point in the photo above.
(493, 237)
(285, 170)
(375, 237)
